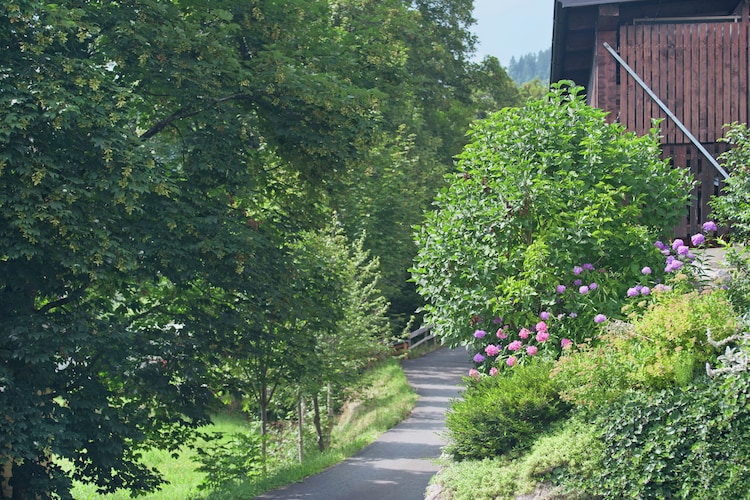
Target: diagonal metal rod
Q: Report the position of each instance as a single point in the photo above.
(666, 110)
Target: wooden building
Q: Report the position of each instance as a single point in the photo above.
(684, 61)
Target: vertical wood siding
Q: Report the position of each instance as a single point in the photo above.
(700, 71)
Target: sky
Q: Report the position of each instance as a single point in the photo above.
(508, 28)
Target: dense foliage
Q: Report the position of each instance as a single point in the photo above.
(549, 199)
(732, 208)
(160, 163)
(689, 442)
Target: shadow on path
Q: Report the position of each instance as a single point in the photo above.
(400, 463)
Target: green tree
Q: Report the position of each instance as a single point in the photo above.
(540, 189)
(417, 54)
(141, 142)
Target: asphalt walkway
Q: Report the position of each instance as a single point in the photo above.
(401, 462)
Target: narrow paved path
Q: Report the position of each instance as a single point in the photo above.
(400, 463)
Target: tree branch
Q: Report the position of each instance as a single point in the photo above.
(187, 113)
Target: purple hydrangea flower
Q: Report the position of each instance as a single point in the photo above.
(683, 250)
(646, 270)
(573, 315)
(561, 288)
(709, 226)
(677, 244)
(632, 292)
(645, 290)
(583, 290)
(478, 358)
(588, 267)
(578, 282)
(544, 315)
(593, 286)
(577, 270)
(600, 318)
(661, 246)
(480, 334)
(697, 239)
(673, 265)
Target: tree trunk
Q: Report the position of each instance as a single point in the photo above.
(5, 490)
(300, 427)
(263, 423)
(318, 427)
(329, 409)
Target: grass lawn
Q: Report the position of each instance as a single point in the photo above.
(384, 400)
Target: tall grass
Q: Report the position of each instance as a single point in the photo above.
(384, 399)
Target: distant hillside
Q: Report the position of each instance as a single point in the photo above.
(530, 66)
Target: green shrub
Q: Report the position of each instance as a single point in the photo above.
(672, 333)
(691, 442)
(501, 413)
(541, 189)
(235, 457)
(666, 346)
(732, 208)
(571, 445)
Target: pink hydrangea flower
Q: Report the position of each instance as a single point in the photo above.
(524, 333)
(492, 350)
(531, 350)
(515, 345)
(511, 361)
(493, 371)
(541, 327)
(473, 373)
(501, 333)
(542, 336)
(564, 343)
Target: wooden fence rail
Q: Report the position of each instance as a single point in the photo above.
(415, 338)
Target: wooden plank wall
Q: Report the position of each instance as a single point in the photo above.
(708, 183)
(701, 71)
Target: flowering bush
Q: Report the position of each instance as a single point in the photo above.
(541, 189)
